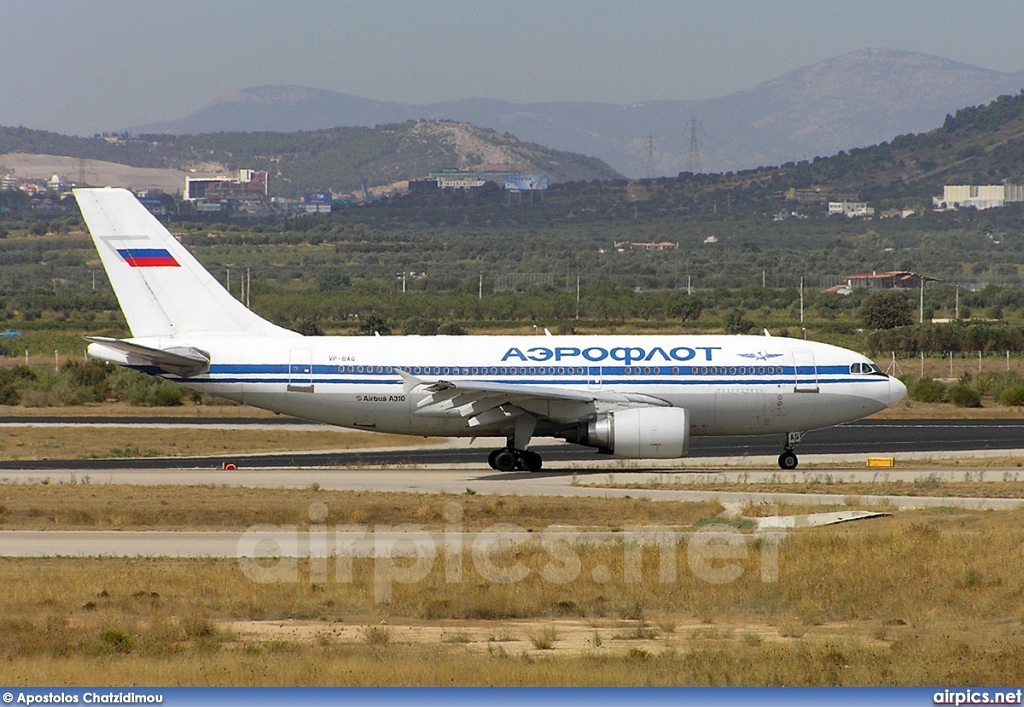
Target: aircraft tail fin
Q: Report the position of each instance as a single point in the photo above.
(162, 289)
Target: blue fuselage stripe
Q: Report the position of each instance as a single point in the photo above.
(686, 376)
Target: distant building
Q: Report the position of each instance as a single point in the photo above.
(464, 179)
(850, 209)
(247, 184)
(421, 185)
(990, 196)
(897, 213)
(153, 201)
(815, 195)
(896, 279)
(8, 183)
(665, 245)
(460, 181)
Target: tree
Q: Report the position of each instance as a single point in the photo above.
(886, 310)
(309, 326)
(736, 323)
(332, 279)
(374, 323)
(683, 306)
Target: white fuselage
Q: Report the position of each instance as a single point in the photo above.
(731, 385)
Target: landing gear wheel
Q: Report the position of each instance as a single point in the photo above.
(530, 461)
(788, 460)
(491, 457)
(504, 460)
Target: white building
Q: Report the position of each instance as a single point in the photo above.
(459, 182)
(850, 209)
(989, 196)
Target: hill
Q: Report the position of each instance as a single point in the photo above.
(976, 145)
(848, 101)
(336, 159)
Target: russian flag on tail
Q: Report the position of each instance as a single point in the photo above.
(148, 257)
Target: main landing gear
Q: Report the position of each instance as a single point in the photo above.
(515, 455)
(788, 460)
(509, 459)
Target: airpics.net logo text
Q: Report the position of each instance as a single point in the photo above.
(408, 553)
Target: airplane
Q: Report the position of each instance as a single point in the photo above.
(630, 396)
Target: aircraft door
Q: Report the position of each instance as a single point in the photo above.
(805, 372)
(594, 377)
(300, 371)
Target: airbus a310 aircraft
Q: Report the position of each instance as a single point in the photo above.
(639, 397)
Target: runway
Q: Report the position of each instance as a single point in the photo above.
(865, 437)
(653, 485)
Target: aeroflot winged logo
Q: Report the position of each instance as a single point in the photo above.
(148, 257)
(760, 355)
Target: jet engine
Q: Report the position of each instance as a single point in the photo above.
(637, 433)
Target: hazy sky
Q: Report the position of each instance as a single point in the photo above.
(100, 65)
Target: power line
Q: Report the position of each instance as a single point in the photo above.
(693, 163)
(650, 157)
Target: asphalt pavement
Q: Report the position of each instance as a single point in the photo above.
(865, 437)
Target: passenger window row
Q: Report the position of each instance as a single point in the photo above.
(579, 370)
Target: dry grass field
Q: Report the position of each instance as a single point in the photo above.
(88, 506)
(86, 442)
(221, 410)
(923, 597)
(851, 490)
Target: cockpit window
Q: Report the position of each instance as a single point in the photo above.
(864, 368)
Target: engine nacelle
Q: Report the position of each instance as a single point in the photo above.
(639, 433)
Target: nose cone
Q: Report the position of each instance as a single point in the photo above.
(896, 390)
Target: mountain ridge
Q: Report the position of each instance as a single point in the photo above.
(843, 102)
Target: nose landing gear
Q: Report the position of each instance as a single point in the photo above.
(788, 459)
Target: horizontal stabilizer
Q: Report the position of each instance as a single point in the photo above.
(182, 361)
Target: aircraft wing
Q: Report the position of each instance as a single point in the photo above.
(484, 403)
(180, 360)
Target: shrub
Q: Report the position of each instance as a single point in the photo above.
(964, 396)
(308, 326)
(139, 389)
(545, 638)
(420, 325)
(1012, 395)
(117, 640)
(166, 394)
(995, 383)
(927, 390)
(844, 328)
(377, 635)
(88, 381)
